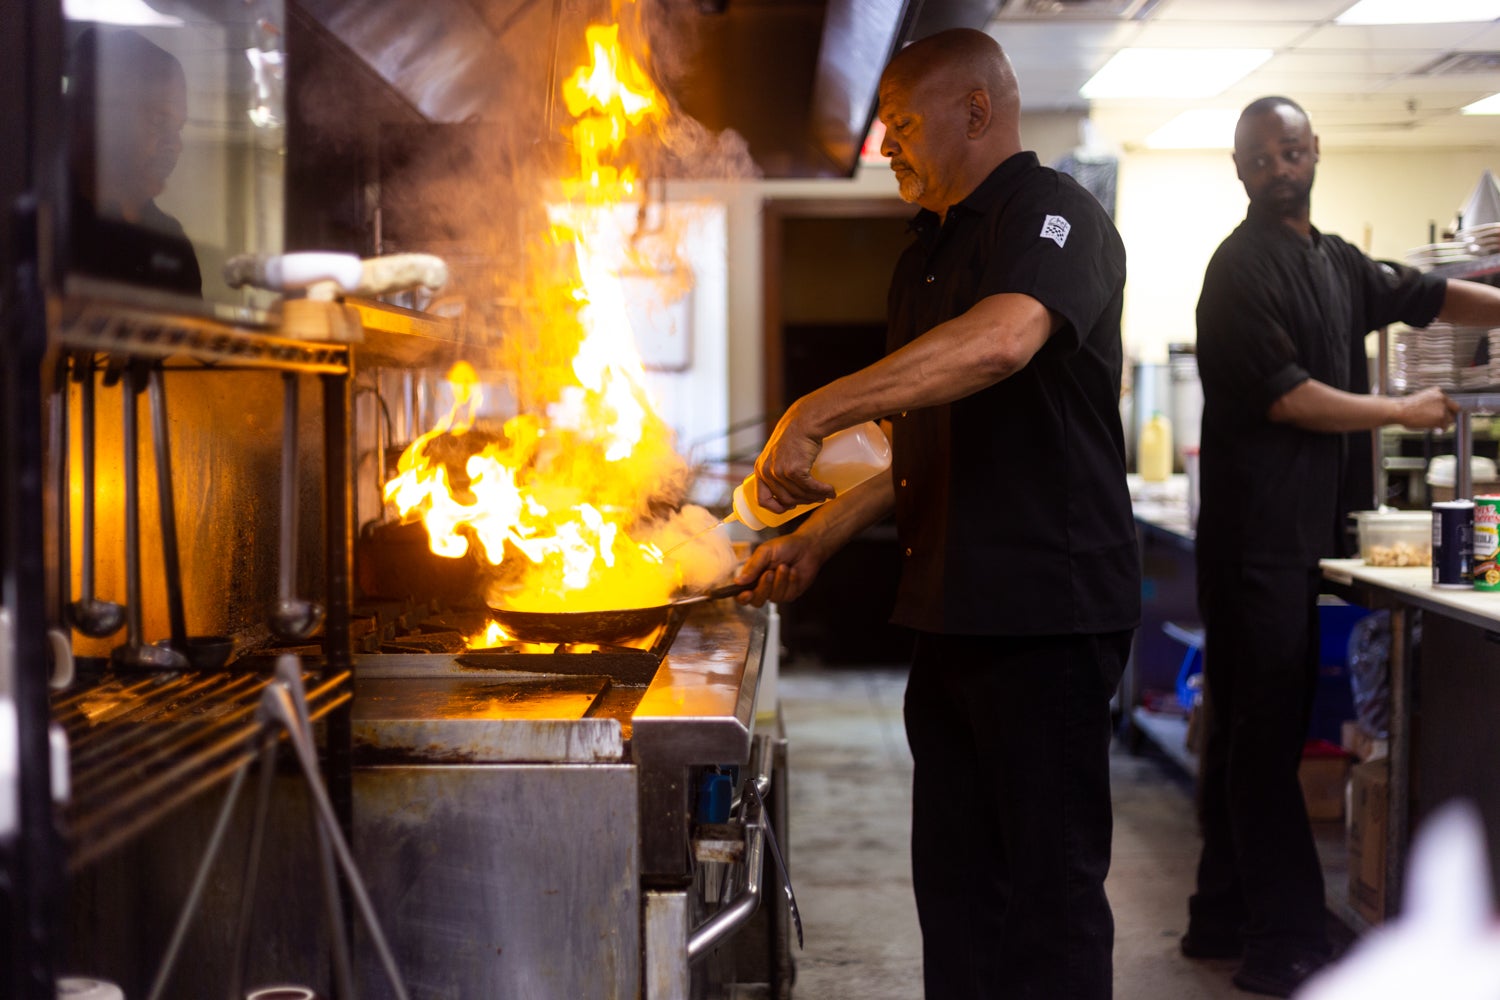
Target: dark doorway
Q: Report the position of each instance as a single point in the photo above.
(827, 270)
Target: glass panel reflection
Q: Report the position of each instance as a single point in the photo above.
(176, 140)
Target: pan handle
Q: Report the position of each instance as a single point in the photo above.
(728, 590)
(717, 593)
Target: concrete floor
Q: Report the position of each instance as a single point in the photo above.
(850, 774)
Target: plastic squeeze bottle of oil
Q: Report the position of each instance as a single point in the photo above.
(848, 458)
(1155, 458)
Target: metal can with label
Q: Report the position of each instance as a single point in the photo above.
(1487, 542)
(1453, 543)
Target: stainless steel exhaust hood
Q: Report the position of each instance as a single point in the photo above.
(795, 78)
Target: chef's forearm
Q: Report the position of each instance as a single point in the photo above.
(833, 524)
(1469, 303)
(1317, 406)
(989, 343)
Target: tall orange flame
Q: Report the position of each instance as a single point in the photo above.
(560, 503)
(608, 99)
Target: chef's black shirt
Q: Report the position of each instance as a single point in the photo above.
(1277, 309)
(154, 252)
(1011, 504)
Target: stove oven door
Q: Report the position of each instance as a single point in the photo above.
(503, 880)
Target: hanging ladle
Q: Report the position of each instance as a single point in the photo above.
(91, 616)
(291, 617)
(136, 654)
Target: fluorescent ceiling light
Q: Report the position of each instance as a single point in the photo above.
(134, 13)
(1425, 12)
(1172, 72)
(1200, 128)
(1484, 106)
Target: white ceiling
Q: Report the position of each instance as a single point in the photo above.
(1362, 86)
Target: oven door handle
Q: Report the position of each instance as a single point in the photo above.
(740, 907)
(786, 876)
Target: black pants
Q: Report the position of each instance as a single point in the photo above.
(1259, 875)
(1011, 816)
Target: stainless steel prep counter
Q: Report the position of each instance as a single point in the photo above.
(1450, 682)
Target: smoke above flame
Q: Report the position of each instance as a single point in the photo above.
(574, 502)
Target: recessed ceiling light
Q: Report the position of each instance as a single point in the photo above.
(1484, 106)
(1426, 12)
(134, 13)
(1200, 128)
(1172, 72)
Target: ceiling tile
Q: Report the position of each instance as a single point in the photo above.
(1307, 11)
(1208, 35)
(1088, 44)
(1395, 36)
(1486, 40)
(1357, 82)
(1332, 62)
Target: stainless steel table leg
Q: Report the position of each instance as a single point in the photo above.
(1463, 450)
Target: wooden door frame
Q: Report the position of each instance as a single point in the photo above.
(774, 215)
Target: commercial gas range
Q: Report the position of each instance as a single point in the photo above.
(529, 821)
(539, 821)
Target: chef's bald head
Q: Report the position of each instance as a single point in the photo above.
(1283, 107)
(965, 59)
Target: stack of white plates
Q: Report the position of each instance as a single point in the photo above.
(1444, 356)
(1482, 240)
(1429, 255)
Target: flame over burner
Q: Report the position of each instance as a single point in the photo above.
(560, 504)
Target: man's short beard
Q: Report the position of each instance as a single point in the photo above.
(910, 187)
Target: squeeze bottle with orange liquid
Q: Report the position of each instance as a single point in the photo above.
(848, 458)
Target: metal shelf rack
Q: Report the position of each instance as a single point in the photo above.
(1479, 267)
(124, 330)
(1485, 401)
(139, 747)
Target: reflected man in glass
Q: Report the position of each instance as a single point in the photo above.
(127, 98)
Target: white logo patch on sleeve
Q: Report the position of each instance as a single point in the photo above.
(1056, 229)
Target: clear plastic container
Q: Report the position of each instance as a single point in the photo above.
(1442, 475)
(1395, 537)
(848, 458)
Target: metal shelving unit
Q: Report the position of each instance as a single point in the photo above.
(1480, 267)
(124, 330)
(1470, 403)
(139, 747)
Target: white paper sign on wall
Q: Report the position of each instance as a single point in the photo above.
(660, 308)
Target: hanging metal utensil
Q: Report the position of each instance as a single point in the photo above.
(136, 653)
(291, 617)
(91, 616)
(786, 878)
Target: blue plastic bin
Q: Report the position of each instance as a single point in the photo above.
(1333, 701)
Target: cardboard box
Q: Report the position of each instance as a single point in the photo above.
(1324, 771)
(1369, 793)
(1361, 744)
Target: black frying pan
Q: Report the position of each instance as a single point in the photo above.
(599, 626)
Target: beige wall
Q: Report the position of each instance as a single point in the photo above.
(1175, 208)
